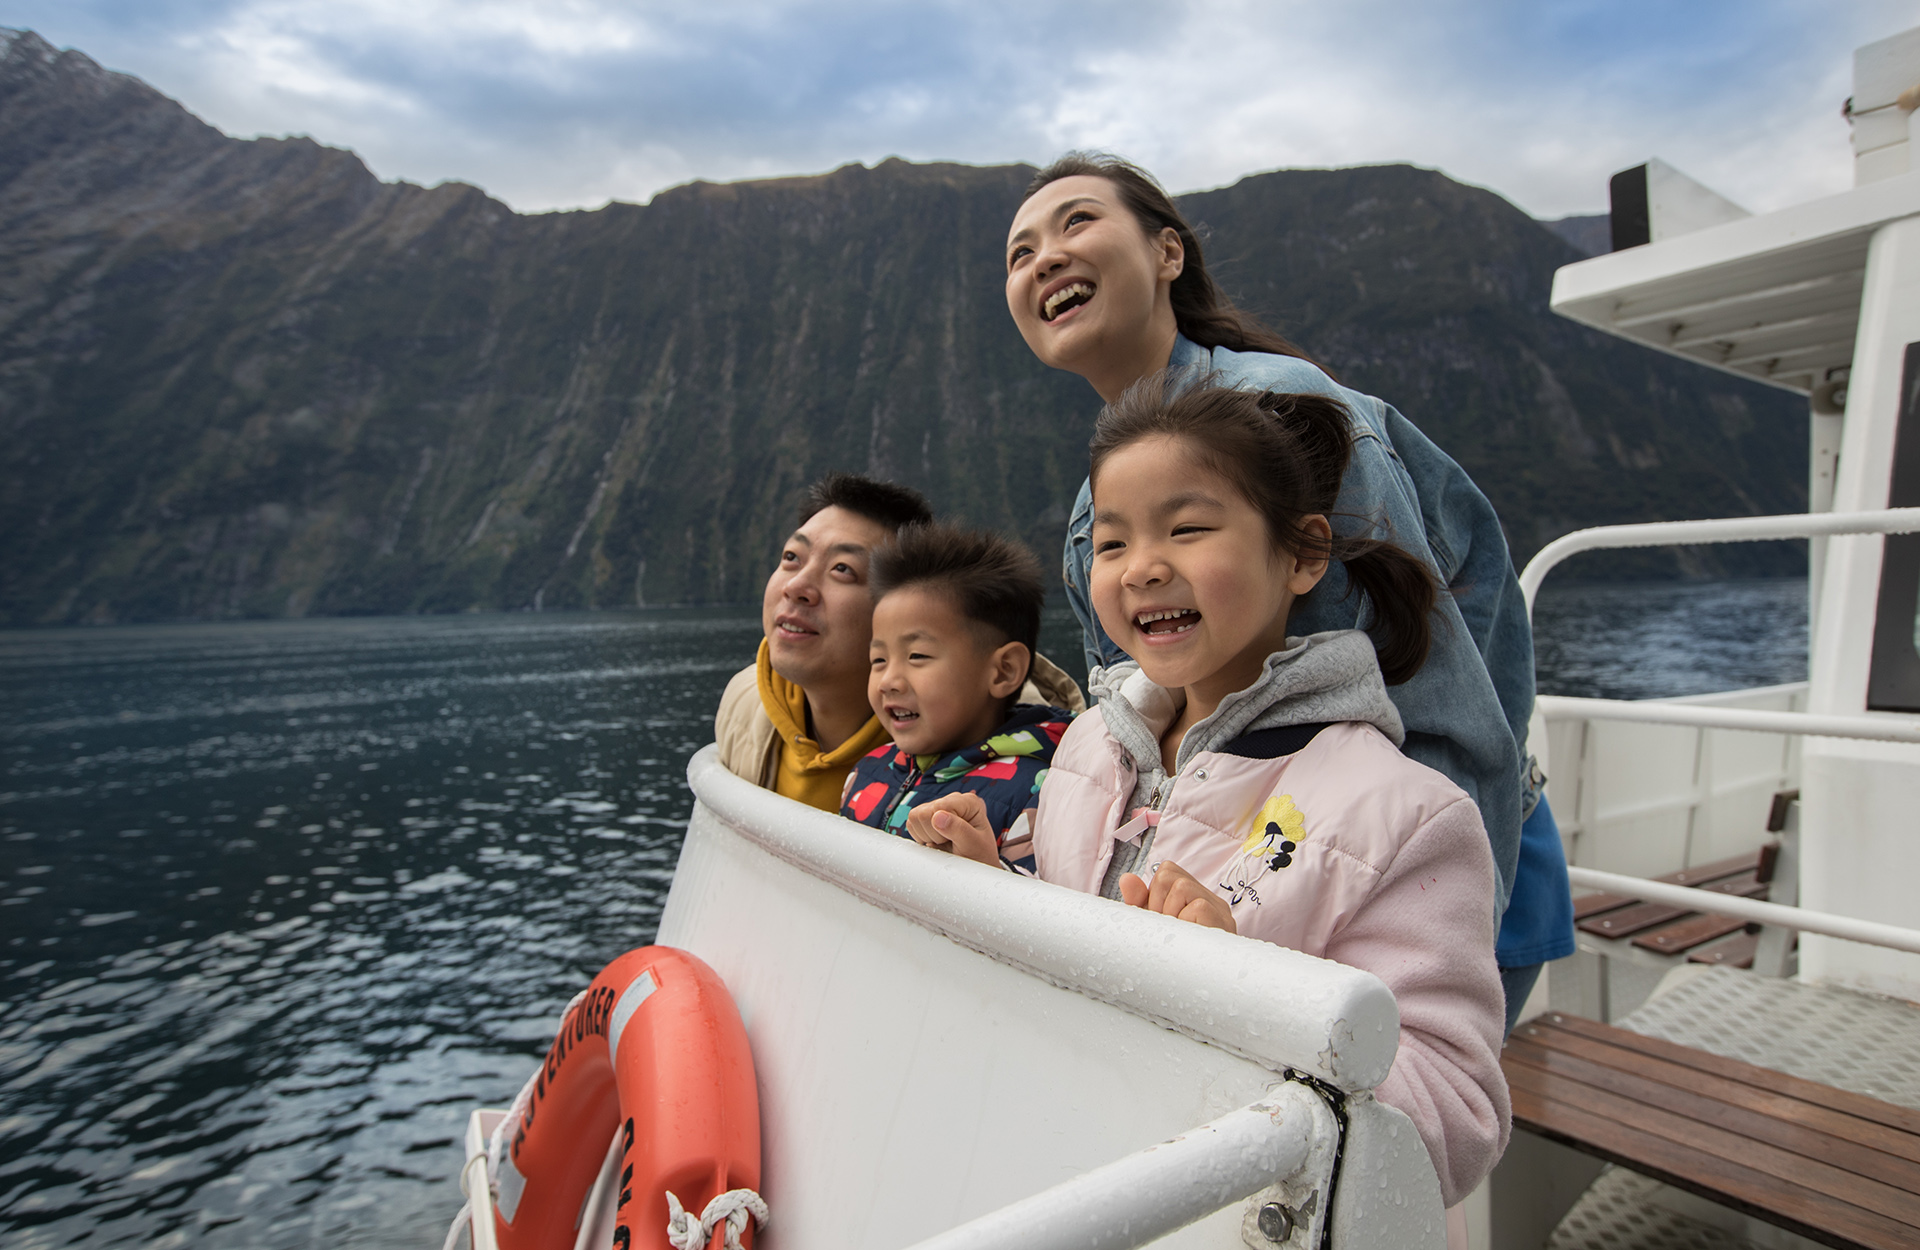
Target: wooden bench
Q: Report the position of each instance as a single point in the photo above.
(1619, 925)
(1837, 1167)
(1666, 930)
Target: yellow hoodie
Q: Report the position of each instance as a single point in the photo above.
(803, 771)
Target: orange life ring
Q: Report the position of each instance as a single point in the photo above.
(653, 1050)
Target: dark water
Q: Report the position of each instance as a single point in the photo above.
(281, 903)
(1653, 639)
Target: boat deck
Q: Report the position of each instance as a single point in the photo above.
(1855, 1042)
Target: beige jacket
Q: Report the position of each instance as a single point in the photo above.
(749, 747)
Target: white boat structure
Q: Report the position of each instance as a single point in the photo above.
(952, 1057)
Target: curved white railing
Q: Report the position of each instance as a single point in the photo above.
(1880, 728)
(1745, 529)
(1275, 1006)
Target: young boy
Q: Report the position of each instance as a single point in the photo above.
(956, 619)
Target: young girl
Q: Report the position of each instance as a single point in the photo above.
(1106, 279)
(1251, 780)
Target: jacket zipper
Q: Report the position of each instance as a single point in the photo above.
(906, 788)
(1154, 800)
(1159, 794)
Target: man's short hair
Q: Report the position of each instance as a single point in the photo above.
(992, 581)
(884, 503)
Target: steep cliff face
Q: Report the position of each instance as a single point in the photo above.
(248, 378)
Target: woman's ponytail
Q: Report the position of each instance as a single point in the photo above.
(1286, 454)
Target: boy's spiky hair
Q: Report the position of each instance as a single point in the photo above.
(992, 581)
(883, 503)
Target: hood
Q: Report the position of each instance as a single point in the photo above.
(1329, 677)
(1049, 686)
(785, 703)
(786, 706)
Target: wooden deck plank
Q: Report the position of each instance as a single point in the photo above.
(1735, 875)
(1626, 921)
(1779, 1105)
(1737, 953)
(1684, 935)
(1593, 904)
(1905, 1119)
(1719, 868)
(1745, 885)
(1845, 1191)
(1833, 1143)
(1790, 1205)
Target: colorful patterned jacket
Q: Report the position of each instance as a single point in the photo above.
(1006, 771)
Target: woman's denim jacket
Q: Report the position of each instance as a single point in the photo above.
(1466, 710)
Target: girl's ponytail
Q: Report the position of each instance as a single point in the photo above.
(1402, 590)
(1286, 454)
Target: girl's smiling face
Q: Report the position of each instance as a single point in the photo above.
(1186, 577)
(1087, 286)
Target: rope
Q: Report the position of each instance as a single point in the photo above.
(686, 1233)
(459, 1222)
(463, 1220)
(497, 1140)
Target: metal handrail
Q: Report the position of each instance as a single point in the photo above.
(1730, 530)
(1151, 1193)
(1881, 728)
(1871, 932)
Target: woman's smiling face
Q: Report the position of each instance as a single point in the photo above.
(1086, 285)
(1186, 577)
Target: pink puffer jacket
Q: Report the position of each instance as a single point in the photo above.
(1344, 849)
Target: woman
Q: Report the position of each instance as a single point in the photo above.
(1106, 279)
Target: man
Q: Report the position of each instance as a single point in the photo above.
(798, 720)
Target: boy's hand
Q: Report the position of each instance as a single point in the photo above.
(1175, 893)
(956, 823)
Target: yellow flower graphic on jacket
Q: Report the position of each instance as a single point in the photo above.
(1278, 830)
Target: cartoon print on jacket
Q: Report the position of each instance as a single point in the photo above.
(1278, 829)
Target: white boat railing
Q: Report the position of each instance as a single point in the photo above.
(1881, 728)
(1146, 1195)
(1744, 529)
(1753, 911)
(1692, 716)
(478, 1212)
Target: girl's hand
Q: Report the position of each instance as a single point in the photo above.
(956, 823)
(1176, 893)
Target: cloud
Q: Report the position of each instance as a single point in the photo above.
(572, 102)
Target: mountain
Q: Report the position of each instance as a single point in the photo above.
(247, 378)
(1591, 234)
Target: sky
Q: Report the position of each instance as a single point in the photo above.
(570, 103)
